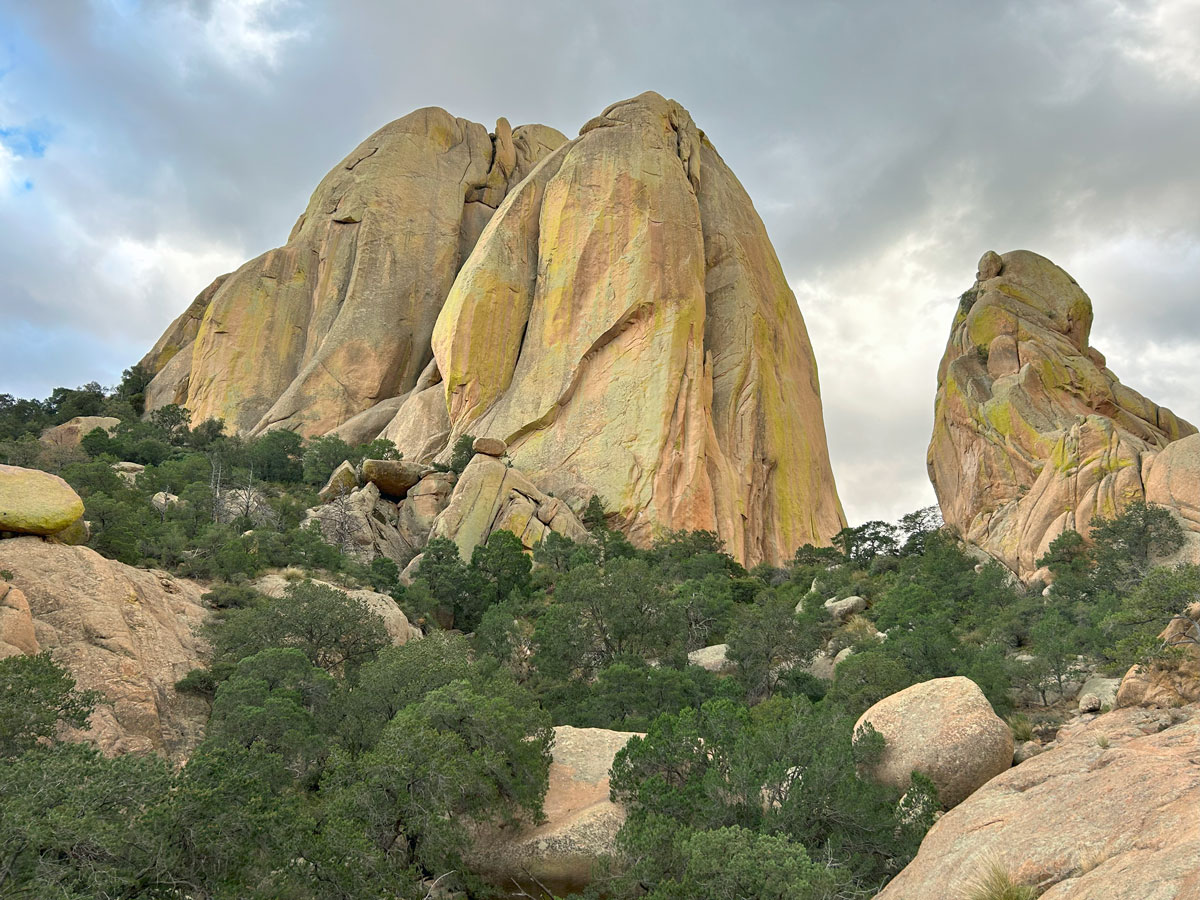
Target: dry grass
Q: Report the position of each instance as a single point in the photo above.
(994, 883)
(1021, 727)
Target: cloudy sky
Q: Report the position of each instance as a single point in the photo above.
(147, 146)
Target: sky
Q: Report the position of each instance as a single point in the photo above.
(147, 146)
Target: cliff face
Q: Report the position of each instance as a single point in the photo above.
(1033, 434)
(610, 306)
(625, 326)
(339, 318)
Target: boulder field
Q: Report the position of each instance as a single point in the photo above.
(609, 309)
(1033, 433)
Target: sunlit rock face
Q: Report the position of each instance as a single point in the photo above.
(312, 333)
(1033, 434)
(625, 325)
(610, 306)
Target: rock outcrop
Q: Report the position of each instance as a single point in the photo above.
(608, 309)
(625, 327)
(73, 431)
(1109, 814)
(946, 730)
(1174, 680)
(1033, 434)
(339, 319)
(36, 502)
(581, 821)
(128, 633)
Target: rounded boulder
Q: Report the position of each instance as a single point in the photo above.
(36, 502)
(946, 730)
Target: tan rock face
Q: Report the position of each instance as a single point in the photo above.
(581, 822)
(36, 502)
(72, 432)
(1172, 681)
(1032, 432)
(128, 633)
(946, 730)
(1083, 821)
(338, 319)
(394, 477)
(625, 326)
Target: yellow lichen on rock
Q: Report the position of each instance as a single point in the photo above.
(1046, 438)
(36, 502)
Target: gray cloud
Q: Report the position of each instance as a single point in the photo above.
(886, 146)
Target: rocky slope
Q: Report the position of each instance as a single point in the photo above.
(1109, 814)
(1033, 434)
(622, 322)
(128, 633)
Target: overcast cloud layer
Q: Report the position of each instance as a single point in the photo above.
(146, 147)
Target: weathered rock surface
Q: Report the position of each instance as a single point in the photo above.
(129, 471)
(73, 431)
(343, 481)
(1110, 814)
(393, 477)
(946, 730)
(128, 633)
(1033, 434)
(36, 502)
(490, 495)
(841, 610)
(363, 525)
(399, 629)
(714, 658)
(421, 507)
(581, 821)
(625, 326)
(313, 333)
(1170, 682)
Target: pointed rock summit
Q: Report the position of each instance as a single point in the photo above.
(1033, 434)
(609, 309)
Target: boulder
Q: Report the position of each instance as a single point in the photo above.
(72, 432)
(36, 502)
(1108, 814)
(841, 610)
(946, 730)
(1104, 689)
(162, 501)
(636, 339)
(1090, 703)
(363, 525)
(489, 446)
(581, 821)
(343, 481)
(393, 477)
(399, 629)
(712, 659)
(313, 333)
(128, 633)
(129, 471)
(1033, 434)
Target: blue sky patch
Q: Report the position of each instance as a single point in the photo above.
(29, 142)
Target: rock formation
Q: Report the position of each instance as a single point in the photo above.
(1108, 814)
(946, 730)
(622, 324)
(73, 431)
(581, 821)
(395, 622)
(625, 326)
(36, 502)
(308, 335)
(128, 633)
(1033, 434)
